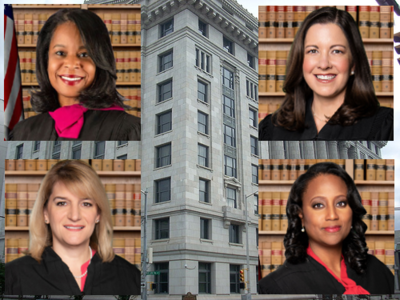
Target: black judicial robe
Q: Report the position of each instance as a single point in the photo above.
(25, 276)
(99, 125)
(310, 277)
(378, 127)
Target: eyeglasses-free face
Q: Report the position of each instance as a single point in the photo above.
(70, 69)
(326, 213)
(327, 61)
(72, 219)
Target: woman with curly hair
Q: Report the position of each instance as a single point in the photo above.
(328, 86)
(326, 252)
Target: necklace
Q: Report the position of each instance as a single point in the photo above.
(315, 115)
(91, 256)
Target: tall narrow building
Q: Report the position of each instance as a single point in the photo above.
(199, 142)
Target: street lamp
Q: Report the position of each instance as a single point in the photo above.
(248, 295)
(144, 259)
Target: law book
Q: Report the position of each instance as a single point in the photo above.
(387, 73)
(22, 204)
(352, 10)
(115, 28)
(138, 36)
(380, 169)
(363, 21)
(130, 250)
(119, 247)
(271, 20)
(384, 20)
(358, 169)
(289, 22)
(376, 70)
(280, 22)
(380, 250)
(28, 23)
(284, 169)
(271, 71)
(262, 20)
(281, 59)
(267, 211)
(374, 17)
(276, 210)
(284, 219)
(276, 255)
(371, 171)
(390, 169)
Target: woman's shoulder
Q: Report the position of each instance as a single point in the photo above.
(265, 129)
(381, 125)
(17, 265)
(23, 129)
(112, 125)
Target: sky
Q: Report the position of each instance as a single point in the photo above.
(390, 151)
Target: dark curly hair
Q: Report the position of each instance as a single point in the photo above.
(354, 247)
(359, 101)
(102, 93)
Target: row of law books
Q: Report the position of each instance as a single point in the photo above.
(289, 169)
(374, 169)
(272, 70)
(272, 254)
(132, 96)
(285, 21)
(124, 199)
(97, 164)
(272, 211)
(128, 248)
(128, 64)
(123, 28)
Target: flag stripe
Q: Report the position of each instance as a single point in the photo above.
(8, 35)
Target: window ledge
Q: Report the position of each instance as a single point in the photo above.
(202, 102)
(255, 155)
(163, 133)
(236, 245)
(206, 241)
(254, 100)
(252, 127)
(206, 203)
(164, 71)
(205, 72)
(203, 134)
(255, 184)
(203, 167)
(169, 99)
(122, 146)
(163, 202)
(163, 167)
(160, 241)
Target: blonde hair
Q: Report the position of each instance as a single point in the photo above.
(80, 179)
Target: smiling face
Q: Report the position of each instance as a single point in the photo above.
(326, 214)
(327, 61)
(70, 69)
(72, 219)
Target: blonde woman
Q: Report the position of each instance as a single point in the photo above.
(70, 250)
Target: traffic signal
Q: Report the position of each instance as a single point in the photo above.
(241, 275)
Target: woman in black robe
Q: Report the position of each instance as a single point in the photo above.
(70, 247)
(77, 97)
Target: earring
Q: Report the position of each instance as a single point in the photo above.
(352, 73)
(97, 221)
(46, 221)
(303, 229)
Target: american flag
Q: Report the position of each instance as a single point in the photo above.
(13, 108)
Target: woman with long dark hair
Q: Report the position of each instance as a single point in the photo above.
(77, 96)
(328, 86)
(326, 252)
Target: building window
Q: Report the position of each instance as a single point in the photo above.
(162, 279)
(230, 166)
(227, 78)
(254, 174)
(255, 204)
(251, 90)
(234, 271)
(163, 155)
(231, 197)
(229, 136)
(203, 28)
(124, 156)
(228, 45)
(76, 149)
(202, 91)
(204, 278)
(251, 61)
(234, 236)
(99, 149)
(163, 190)
(205, 229)
(165, 61)
(204, 186)
(164, 122)
(203, 155)
(165, 90)
(19, 152)
(120, 143)
(254, 145)
(202, 122)
(161, 229)
(36, 146)
(253, 117)
(56, 150)
(167, 28)
(203, 60)
(229, 106)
